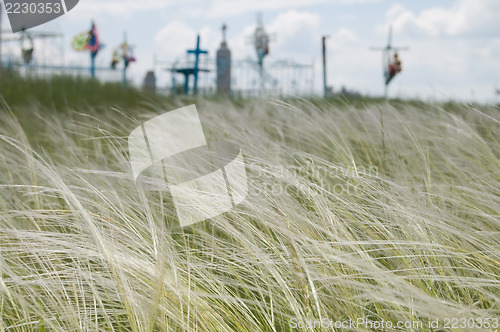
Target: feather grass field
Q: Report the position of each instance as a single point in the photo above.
(369, 213)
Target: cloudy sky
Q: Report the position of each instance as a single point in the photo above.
(454, 44)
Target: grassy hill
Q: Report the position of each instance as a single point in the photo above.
(360, 211)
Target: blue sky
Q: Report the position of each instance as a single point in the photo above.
(454, 44)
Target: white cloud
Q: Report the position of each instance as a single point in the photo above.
(294, 21)
(231, 7)
(122, 8)
(465, 18)
(216, 8)
(172, 41)
(173, 38)
(350, 63)
(296, 34)
(344, 35)
(453, 50)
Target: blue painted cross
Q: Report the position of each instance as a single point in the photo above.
(196, 69)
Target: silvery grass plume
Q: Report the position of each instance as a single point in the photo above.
(378, 212)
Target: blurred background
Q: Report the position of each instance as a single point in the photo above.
(453, 45)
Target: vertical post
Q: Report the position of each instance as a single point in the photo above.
(196, 68)
(325, 83)
(124, 74)
(92, 64)
(186, 83)
(197, 53)
(93, 46)
(262, 84)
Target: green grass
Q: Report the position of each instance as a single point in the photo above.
(346, 219)
(62, 92)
